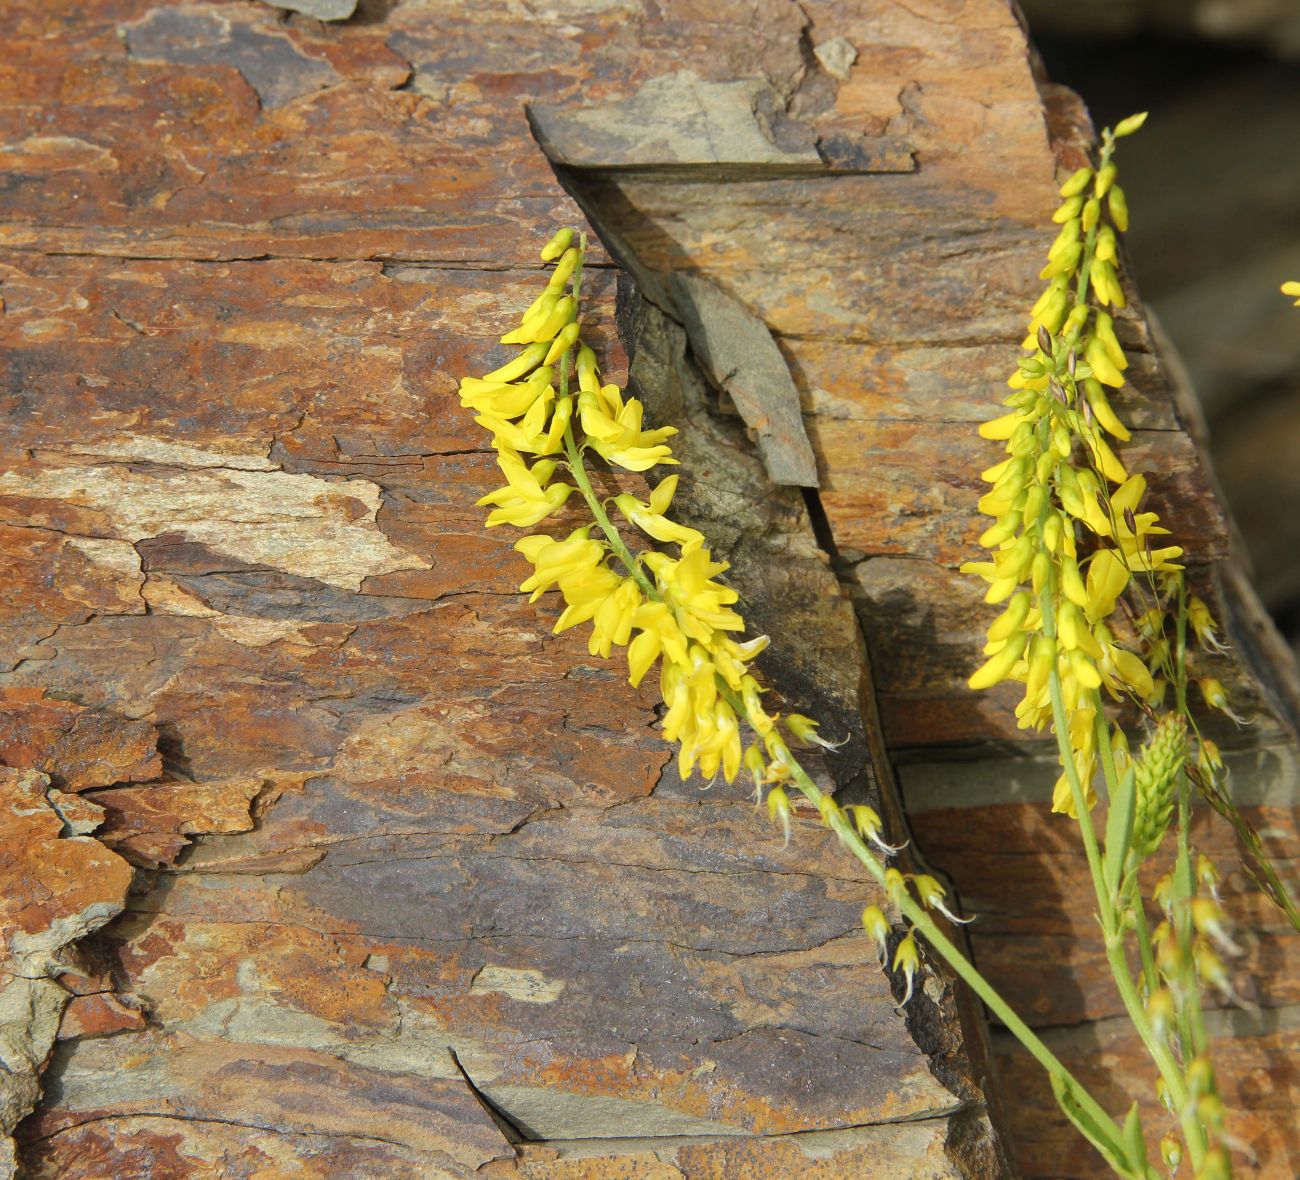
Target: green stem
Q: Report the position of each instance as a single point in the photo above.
(965, 969)
(579, 469)
(910, 908)
(1111, 927)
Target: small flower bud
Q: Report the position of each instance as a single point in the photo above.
(778, 809)
(895, 885)
(1208, 919)
(1171, 1152)
(1160, 1007)
(876, 925)
(866, 822)
(1207, 875)
(908, 960)
(1077, 182)
(1217, 1165)
(557, 245)
(932, 894)
(756, 764)
(1131, 124)
(1118, 206)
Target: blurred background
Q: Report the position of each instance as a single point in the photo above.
(1214, 185)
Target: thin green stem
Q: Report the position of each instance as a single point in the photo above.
(1111, 927)
(578, 468)
(917, 915)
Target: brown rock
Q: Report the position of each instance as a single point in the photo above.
(78, 747)
(54, 890)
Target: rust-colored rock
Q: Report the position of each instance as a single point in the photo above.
(54, 890)
(76, 746)
(449, 875)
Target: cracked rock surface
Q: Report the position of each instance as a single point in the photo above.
(417, 891)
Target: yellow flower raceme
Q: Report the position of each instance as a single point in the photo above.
(663, 607)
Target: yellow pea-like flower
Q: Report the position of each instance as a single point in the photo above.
(999, 667)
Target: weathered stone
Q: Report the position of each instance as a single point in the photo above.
(320, 9)
(76, 746)
(246, 260)
(739, 355)
(54, 890)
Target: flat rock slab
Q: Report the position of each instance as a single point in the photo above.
(418, 894)
(415, 895)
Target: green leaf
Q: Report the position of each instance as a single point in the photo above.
(1134, 1141)
(1104, 1137)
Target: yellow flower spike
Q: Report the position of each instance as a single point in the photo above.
(1105, 178)
(1110, 466)
(1084, 670)
(999, 667)
(1042, 657)
(931, 894)
(1067, 237)
(564, 268)
(1107, 246)
(650, 519)
(999, 429)
(1104, 327)
(1292, 288)
(1077, 183)
(1102, 366)
(1010, 620)
(877, 927)
(1004, 530)
(1108, 577)
(778, 809)
(612, 620)
(908, 960)
(558, 244)
(1072, 583)
(553, 561)
(1053, 532)
(1039, 571)
(1132, 672)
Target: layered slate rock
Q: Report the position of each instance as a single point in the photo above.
(468, 921)
(445, 911)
